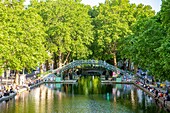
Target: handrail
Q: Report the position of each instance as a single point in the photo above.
(99, 63)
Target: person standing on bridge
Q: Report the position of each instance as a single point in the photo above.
(113, 75)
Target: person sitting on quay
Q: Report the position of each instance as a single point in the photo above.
(1, 94)
(156, 93)
(148, 88)
(29, 83)
(160, 94)
(143, 85)
(137, 82)
(6, 93)
(151, 90)
(16, 88)
(168, 89)
(11, 90)
(166, 98)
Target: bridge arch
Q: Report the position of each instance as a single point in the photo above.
(77, 63)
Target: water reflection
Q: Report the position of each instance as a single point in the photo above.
(87, 96)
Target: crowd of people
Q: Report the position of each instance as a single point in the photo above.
(6, 90)
(158, 94)
(33, 82)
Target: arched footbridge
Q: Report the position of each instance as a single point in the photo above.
(79, 63)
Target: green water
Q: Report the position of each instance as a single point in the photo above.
(87, 96)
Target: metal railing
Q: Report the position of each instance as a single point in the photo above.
(76, 63)
(98, 63)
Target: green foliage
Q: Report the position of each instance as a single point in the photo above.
(68, 26)
(165, 14)
(110, 24)
(113, 23)
(71, 30)
(164, 49)
(137, 14)
(148, 44)
(22, 38)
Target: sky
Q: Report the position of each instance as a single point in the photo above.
(155, 4)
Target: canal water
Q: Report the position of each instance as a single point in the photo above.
(86, 96)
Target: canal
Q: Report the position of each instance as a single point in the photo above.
(86, 96)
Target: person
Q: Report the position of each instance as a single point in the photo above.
(11, 90)
(1, 94)
(160, 94)
(166, 98)
(167, 89)
(153, 81)
(6, 93)
(151, 89)
(156, 95)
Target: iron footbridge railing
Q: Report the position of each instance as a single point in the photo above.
(99, 63)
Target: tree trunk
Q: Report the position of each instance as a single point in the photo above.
(41, 68)
(124, 64)
(1, 78)
(135, 68)
(66, 59)
(129, 65)
(60, 59)
(114, 59)
(47, 65)
(7, 75)
(114, 55)
(55, 61)
(17, 78)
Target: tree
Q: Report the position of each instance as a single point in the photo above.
(22, 37)
(148, 45)
(164, 50)
(110, 24)
(69, 29)
(127, 46)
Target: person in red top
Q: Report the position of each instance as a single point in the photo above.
(161, 94)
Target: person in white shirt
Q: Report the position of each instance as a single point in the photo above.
(1, 94)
